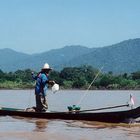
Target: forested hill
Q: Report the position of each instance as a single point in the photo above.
(11, 60)
(118, 58)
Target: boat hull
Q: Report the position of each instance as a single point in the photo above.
(112, 117)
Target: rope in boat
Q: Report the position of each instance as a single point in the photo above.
(90, 86)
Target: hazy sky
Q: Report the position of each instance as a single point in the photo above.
(33, 26)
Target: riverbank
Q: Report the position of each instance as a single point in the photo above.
(30, 86)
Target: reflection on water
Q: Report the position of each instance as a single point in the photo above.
(19, 128)
(40, 125)
(101, 125)
(133, 130)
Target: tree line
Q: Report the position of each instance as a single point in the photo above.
(73, 78)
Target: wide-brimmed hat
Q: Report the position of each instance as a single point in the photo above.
(46, 67)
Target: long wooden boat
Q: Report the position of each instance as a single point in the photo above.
(112, 117)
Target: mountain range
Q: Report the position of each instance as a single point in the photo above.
(123, 57)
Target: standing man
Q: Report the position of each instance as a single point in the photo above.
(42, 82)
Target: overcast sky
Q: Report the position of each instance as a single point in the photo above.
(34, 26)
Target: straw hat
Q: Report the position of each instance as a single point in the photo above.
(46, 67)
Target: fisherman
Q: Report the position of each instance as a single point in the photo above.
(42, 82)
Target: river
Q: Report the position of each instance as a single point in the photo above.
(19, 128)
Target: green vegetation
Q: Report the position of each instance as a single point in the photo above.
(73, 78)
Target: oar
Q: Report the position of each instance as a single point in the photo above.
(96, 109)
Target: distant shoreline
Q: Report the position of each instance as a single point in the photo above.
(84, 77)
(71, 89)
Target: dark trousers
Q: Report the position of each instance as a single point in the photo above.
(41, 103)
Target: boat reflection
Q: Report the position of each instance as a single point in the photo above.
(100, 125)
(41, 125)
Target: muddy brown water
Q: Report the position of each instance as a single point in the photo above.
(19, 128)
